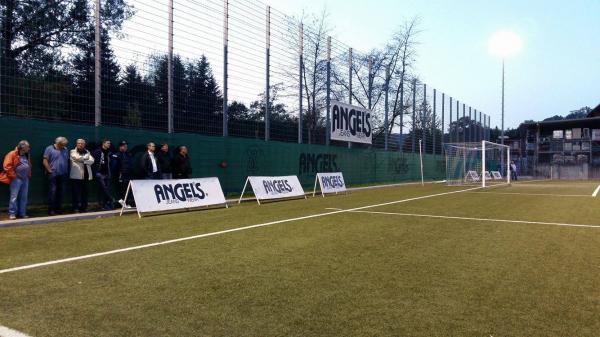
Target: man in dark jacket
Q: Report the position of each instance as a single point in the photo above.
(164, 161)
(182, 169)
(150, 165)
(122, 172)
(102, 172)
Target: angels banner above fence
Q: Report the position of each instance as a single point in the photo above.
(350, 123)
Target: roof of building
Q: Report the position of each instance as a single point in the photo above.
(595, 112)
(566, 122)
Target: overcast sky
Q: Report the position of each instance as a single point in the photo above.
(558, 69)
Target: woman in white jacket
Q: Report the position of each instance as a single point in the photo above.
(81, 174)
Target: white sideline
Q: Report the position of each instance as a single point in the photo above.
(8, 332)
(596, 191)
(542, 194)
(476, 219)
(553, 186)
(122, 250)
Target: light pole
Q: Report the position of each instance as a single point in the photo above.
(502, 135)
(504, 44)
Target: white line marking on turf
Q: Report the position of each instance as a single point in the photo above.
(543, 194)
(7, 332)
(553, 185)
(596, 191)
(161, 243)
(477, 219)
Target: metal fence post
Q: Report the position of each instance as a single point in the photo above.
(433, 127)
(350, 83)
(489, 127)
(470, 126)
(481, 116)
(225, 60)
(479, 129)
(475, 127)
(414, 107)
(401, 112)
(450, 138)
(170, 71)
(484, 127)
(424, 118)
(464, 135)
(327, 124)
(387, 107)
(300, 73)
(443, 140)
(370, 84)
(458, 123)
(268, 75)
(484, 130)
(97, 70)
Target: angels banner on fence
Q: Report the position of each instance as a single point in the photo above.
(166, 195)
(350, 123)
(330, 183)
(266, 188)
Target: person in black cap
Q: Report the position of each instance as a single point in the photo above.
(103, 174)
(122, 173)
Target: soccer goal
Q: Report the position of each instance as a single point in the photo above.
(479, 163)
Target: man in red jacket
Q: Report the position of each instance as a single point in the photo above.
(17, 171)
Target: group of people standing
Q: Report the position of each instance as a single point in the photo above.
(80, 166)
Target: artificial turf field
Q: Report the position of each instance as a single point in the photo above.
(438, 264)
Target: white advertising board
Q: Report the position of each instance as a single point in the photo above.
(330, 183)
(167, 195)
(267, 188)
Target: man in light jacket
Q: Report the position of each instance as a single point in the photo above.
(81, 174)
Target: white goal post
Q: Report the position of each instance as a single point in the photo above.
(478, 163)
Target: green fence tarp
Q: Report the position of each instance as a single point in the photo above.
(229, 159)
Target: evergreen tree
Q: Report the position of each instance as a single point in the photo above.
(204, 102)
(84, 78)
(159, 75)
(136, 97)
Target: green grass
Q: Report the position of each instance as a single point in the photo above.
(348, 274)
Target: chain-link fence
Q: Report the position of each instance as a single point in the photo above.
(222, 68)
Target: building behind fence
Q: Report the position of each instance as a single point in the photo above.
(231, 69)
(559, 149)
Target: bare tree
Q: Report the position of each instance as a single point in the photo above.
(368, 70)
(402, 57)
(314, 69)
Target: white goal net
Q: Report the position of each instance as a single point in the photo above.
(481, 163)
